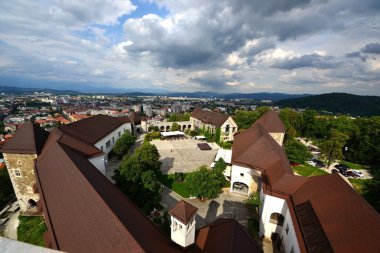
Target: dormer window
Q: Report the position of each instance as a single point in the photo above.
(17, 173)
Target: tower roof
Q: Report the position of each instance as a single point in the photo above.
(271, 122)
(28, 139)
(93, 129)
(183, 211)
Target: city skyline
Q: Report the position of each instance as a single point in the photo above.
(162, 45)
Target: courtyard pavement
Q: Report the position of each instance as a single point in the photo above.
(10, 230)
(227, 205)
(183, 155)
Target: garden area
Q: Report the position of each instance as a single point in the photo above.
(31, 230)
(175, 182)
(307, 170)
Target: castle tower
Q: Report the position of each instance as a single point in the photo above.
(19, 155)
(183, 223)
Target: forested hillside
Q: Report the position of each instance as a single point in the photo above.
(342, 103)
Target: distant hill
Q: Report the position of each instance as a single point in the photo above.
(257, 96)
(336, 103)
(19, 91)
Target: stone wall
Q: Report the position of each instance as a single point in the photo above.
(23, 183)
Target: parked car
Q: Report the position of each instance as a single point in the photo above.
(319, 163)
(352, 174)
(334, 171)
(344, 173)
(358, 173)
(341, 166)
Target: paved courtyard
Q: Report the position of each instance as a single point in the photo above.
(227, 205)
(183, 155)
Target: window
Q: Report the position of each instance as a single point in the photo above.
(287, 228)
(108, 144)
(227, 129)
(242, 174)
(101, 148)
(17, 173)
(234, 129)
(113, 139)
(119, 134)
(292, 250)
(277, 218)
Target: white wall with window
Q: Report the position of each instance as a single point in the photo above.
(275, 218)
(243, 179)
(108, 142)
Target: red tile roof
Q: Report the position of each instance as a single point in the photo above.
(92, 129)
(225, 235)
(271, 122)
(208, 117)
(183, 211)
(28, 139)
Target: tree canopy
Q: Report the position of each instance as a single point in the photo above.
(296, 151)
(205, 183)
(124, 144)
(175, 127)
(137, 176)
(6, 189)
(332, 147)
(179, 117)
(245, 119)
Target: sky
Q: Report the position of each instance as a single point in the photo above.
(225, 46)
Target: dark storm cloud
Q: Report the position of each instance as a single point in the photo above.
(372, 48)
(307, 61)
(215, 82)
(357, 55)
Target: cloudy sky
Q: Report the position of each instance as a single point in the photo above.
(291, 46)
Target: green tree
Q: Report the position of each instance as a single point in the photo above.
(6, 189)
(149, 180)
(136, 177)
(217, 135)
(254, 200)
(331, 148)
(296, 151)
(124, 144)
(202, 184)
(153, 129)
(175, 127)
(179, 117)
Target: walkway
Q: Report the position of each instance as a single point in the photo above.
(227, 205)
(10, 230)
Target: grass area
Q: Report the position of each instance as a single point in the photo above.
(354, 166)
(178, 187)
(307, 170)
(253, 228)
(31, 230)
(358, 184)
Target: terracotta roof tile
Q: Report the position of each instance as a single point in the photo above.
(271, 122)
(208, 117)
(183, 211)
(226, 235)
(92, 129)
(28, 139)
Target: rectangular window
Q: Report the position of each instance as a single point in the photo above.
(287, 228)
(119, 134)
(113, 139)
(234, 129)
(101, 148)
(17, 173)
(108, 144)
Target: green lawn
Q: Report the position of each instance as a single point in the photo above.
(358, 184)
(178, 187)
(31, 230)
(307, 170)
(354, 166)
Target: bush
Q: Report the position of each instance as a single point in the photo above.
(31, 230)
(179, 176)
(226, 145)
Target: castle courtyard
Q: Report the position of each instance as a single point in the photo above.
(183, 155)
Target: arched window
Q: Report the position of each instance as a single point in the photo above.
(277, 218)
(32, 203)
